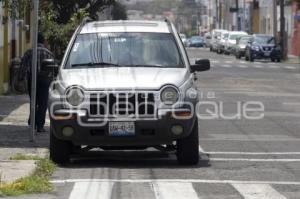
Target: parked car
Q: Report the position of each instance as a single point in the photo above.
(196, 41)
(222, 41)
(231, 41)
(93, 103)
(240, 48)
(215, 38)
(183, 39)
(207, 40)
(262, 47)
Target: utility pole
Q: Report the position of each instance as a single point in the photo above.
(282, 29)
(5, 74)
(237, 15)
(275, 28)
(34, 69)
(217, 14)
(244, 15)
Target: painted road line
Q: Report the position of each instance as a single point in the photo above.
(92, 190)
(252, 160)
(174, 190)
(290, 67)
(273, 67)
(226, 65)
(252, 137)
(291, 103)
(242, 66)
(281, 114)
(257, 191)
(265, 94)
(247, 153)
(228, 62)
(174, 181)
(257, 66)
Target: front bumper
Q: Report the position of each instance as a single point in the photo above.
(94, 132)
(265, 55)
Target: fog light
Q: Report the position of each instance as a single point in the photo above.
(68, 131)
(177, 129)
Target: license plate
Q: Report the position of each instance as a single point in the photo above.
(267, 53)
(121, 129)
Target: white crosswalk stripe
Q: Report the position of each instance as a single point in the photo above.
(169, 189)
(92, 190)
(273, 67)
(226, 66)
(257, 191)
(290, 67)
(257, 66)
(242, 66)
(174, 190)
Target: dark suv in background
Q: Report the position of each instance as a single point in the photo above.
(262, 47)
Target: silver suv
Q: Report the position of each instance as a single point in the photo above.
(125, 85)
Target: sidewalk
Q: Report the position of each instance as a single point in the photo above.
(292, 60)
(14, 139)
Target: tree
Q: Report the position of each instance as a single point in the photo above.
(18, 8)
(59, 19)
(118, 12)
(67, 8)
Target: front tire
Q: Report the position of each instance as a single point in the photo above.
(188, 148)
(60, 150)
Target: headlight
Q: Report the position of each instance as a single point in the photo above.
(255, 48)
(169, 96)
(75, 96)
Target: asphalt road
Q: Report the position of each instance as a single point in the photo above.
(241, 157)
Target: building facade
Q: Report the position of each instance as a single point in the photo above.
(15, 39)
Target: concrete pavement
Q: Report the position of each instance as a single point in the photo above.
(14, 133)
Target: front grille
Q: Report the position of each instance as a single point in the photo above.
(267, 48)
(122, 105)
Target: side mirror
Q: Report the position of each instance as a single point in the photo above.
(200, 66)
(49, 66)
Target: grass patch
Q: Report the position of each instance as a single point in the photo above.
(38, 182)
(20, 156)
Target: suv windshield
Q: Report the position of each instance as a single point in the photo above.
(234, 37)
(125, 49)
(244, 40)
(264, 40)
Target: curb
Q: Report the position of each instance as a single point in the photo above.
(12, 170)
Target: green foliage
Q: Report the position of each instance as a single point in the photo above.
(119, 12)
(21, 156)
(192, 32)
(18, 8)
(58, 34)
(38, 182)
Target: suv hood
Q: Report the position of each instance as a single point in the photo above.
(123, 78)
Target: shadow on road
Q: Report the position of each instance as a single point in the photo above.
(8, 104)
(132, 160)
(17, 136)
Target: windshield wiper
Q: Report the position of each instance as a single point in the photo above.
(95, 64)
(148, 66)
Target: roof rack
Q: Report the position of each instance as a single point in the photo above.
(169, 25)
(84, 21)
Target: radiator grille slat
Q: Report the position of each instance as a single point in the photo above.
(122, 104)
